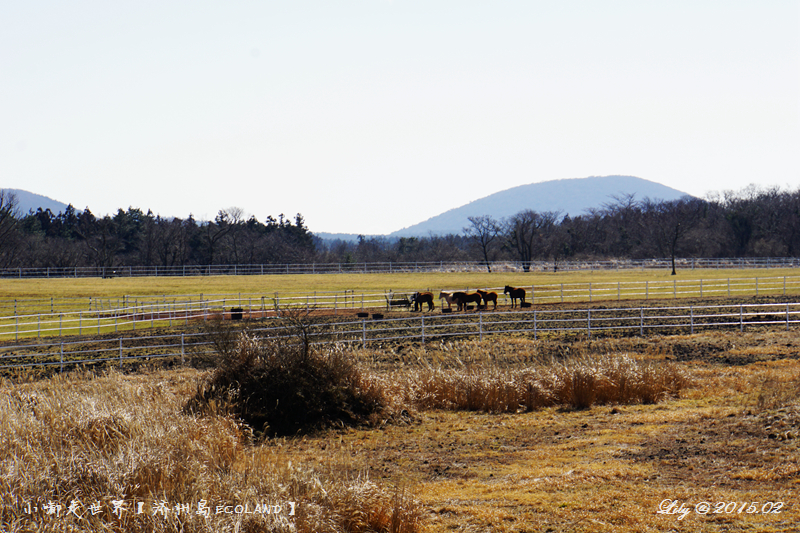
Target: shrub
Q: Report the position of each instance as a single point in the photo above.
(280, 388)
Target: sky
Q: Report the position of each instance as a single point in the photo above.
(368, 116)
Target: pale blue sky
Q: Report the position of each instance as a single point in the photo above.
(369, 116)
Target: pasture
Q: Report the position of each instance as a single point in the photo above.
(44, 289)
(48, 307)
(719, 452)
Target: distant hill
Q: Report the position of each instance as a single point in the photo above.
(28, 201)
(570, 196)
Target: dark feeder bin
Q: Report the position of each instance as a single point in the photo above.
(236, 313)
(362, 315)
(446, 310)
(377, 316)
(525, 304)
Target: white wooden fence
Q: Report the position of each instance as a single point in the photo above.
(396, 267)
(21, 319)
(425, 328)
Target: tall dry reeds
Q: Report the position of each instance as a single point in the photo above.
(577, 383)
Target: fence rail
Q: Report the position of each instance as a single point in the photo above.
(20, 318)
(548, 323)
(397, 267)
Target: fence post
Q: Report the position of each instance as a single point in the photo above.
(618, 291)
(701, 288)
(182, 350)
(16, 328)
(589, 321)
(422, 320)
(120, 352)
(62, 357)
(562, 293)
(533, 295)
(646, 290)
(535, 327)
(480, 327)
(363, 333)
(60, 323)
(741, 319)
(787, 317)
(675, 289)
(691, 320)
(590, 291)
(641, 321)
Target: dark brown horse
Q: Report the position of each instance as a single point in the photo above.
(464, 298)
(515, 293)
(420, 298)
(488, 297)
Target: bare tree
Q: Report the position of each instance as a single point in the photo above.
(483, 233)
(9, 241)
(670, 222)
(526, 234)
(213, 232)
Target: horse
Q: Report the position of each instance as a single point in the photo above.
(457, 297)
(515, 293)
(420, 298)
(488, 297)
(464, 298)
(448, 297)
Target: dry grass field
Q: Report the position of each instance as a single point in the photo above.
(441, 460)
(656, 434)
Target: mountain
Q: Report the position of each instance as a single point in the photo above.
(29, 201)
(570, 196)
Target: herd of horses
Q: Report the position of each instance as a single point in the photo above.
(462, 299)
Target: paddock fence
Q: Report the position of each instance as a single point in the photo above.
(38, 318)
(390, 267)
(426, 328)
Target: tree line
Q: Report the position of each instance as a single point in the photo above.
(752, 222)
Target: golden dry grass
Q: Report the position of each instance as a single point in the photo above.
(731, 435)
(95, 440)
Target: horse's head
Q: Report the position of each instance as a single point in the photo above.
(507, 289)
